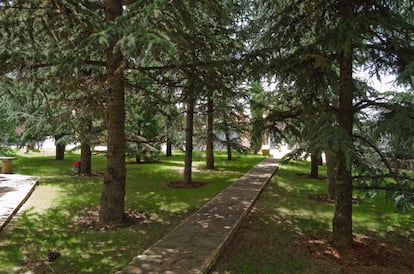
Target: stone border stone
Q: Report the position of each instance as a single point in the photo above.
(195, 245)
(15, 189)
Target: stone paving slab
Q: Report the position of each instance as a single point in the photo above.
(194, 245)
(15, 189)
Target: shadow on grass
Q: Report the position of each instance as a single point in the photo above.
(271, 239)
(24, 245)
(81, 250)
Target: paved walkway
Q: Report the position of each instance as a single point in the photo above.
(14, 191)
(194, 245)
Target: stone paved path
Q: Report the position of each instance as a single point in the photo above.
(194, 246)
(14, 191)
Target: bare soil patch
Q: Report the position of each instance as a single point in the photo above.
(368, 255)
(94, 173)
(89, 219)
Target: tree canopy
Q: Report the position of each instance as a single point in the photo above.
(133, 68)
(314, 46)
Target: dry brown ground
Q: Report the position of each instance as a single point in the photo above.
(368, 255)
(279, 247)
(313, 253)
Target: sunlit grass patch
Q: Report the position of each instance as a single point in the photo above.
(25, 244)
(274, 237)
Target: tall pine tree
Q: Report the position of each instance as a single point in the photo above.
(374, 35)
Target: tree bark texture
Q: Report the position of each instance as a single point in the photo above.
(210, 134)
(342, 221)
(60, 151)
(113, 192)
(86, 161)
(229, 152)
(169, 147)
(228, 140)
(189, 137)
(315, 160)
(331, 174)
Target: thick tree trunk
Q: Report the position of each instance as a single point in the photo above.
(86, 154)
(342, 221)
(315, 160)
(189, 138)
(86, 161)
(60, 149)
(331, 174)
(113, 192)
(210, 135)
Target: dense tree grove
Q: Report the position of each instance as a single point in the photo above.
(168, 71)
(74, 55)
(314, 47)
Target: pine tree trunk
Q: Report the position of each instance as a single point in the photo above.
(210, 135)
(169, 147)
(331, 174)
(60, 150)
(86, 154)
(342, 221)
(229, 153)
(86, 161)
(189, 138)
(315, 160)
(228, 140)
(113, 192)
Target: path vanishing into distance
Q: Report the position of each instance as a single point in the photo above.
(195, 244)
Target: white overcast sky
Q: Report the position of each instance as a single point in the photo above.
(385, 84)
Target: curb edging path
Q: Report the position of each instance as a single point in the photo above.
(195, 244)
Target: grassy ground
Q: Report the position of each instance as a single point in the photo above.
(62, 200)
(288, 232)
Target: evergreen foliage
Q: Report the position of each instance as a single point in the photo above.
(74, 68)
(312, 47)
(80, 57)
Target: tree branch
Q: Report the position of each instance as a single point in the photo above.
(369, 103)
(383, 159)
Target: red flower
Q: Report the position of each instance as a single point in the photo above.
(76, 164)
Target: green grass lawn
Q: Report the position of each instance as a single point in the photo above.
(274, 237)
(24, 244)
